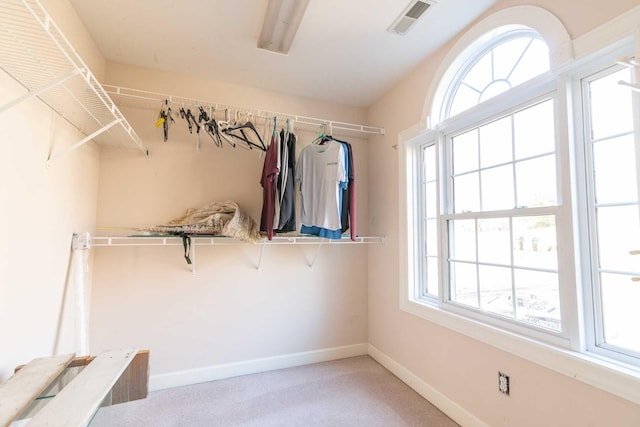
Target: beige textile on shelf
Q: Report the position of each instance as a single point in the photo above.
(216, 218)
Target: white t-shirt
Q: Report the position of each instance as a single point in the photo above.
(320, 170)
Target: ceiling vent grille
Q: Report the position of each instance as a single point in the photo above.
(410, 16)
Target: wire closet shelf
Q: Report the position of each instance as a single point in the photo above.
(634, 64)
(128, 97)
(36, 54)
(319, 242)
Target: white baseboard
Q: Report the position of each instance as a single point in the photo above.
(439, 400)
(228, 370)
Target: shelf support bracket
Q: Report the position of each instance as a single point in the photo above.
(261, 255)
(193, 258)
(84, 140)
(315, 256)
(36, 92)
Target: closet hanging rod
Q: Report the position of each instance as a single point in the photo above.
(152, 100)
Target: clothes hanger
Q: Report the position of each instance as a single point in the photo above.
(223, 125)
(322, 138)
(241, 127)
(190, 118)
(191, 122)
(235, 125)
(165, 118)
(275, 127)
(211, 126)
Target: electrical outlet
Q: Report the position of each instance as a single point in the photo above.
(503, 383)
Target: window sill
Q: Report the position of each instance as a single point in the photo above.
(612, 377)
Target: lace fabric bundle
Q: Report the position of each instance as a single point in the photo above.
(215, 219)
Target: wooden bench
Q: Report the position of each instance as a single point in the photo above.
(108, 374)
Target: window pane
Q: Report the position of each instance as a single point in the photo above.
(536, 182)
(506, 56)
(535, 242)
(432, 276)
(481, 74)
(538, 298)
(466, 195)
(494, 241)
(429, 156)
(463, 235)
(432, 237)
(495, 143)
(507, 64)
(534, 62)
(464, 99)
(429, 229)
(620, 298)
(534, 130)
(606, 93)
(496, 293)
(615, 170)
(430, 200)
(618, 233)
(464, 283)
(465, 152)
(497, 188)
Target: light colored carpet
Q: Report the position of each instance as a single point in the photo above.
(348, 392)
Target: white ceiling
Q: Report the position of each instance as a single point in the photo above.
(342, 52)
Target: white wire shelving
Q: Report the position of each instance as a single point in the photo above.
(35, 53)
(136, 98)
(154, 240)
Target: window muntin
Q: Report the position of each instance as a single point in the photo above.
(501, 225)
(614, 211)
(505, 273)
(509, 154)
(512, 59)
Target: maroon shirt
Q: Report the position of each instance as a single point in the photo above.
(268, 181)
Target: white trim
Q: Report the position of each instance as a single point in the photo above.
(228, 370)
(610, 33)
(424, 389)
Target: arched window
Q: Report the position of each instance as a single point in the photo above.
(521, 194)
(487, 198)
(508, 60)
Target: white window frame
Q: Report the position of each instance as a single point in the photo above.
(573, 359)
(420, 292)
(594, 340)
(510, 103)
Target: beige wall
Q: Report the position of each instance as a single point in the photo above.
(463, 369)
(229, 312)
(40, 209)
(66, 18)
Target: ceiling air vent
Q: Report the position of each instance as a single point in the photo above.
(410, 16)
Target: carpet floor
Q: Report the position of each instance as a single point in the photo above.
(349, 392)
